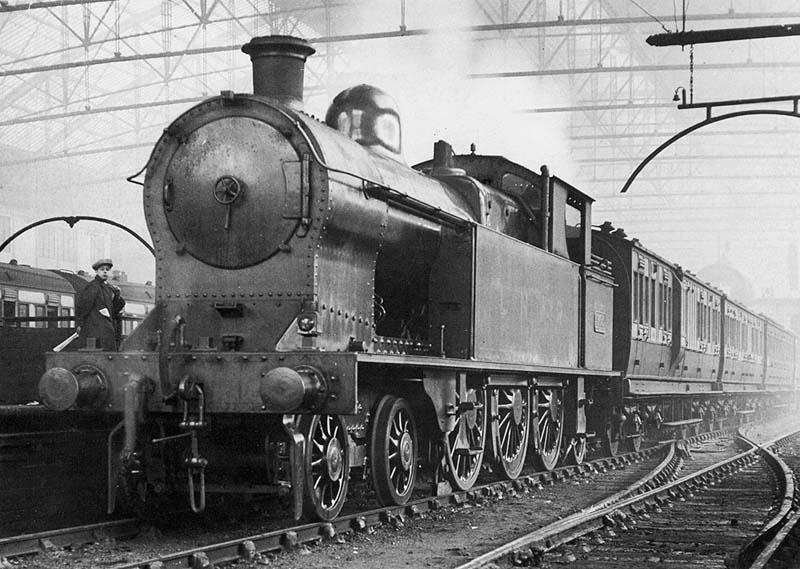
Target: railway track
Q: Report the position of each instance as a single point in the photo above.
(599, 480)
(726, 514)
(776, 547)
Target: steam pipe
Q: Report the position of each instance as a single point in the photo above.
(545, 208)
(132, 409)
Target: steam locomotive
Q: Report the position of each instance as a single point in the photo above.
(323, 311)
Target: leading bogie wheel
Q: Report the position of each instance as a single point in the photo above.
(394, 451)
(511, 421)
(326, 465)
(548, 427)
(464, 445)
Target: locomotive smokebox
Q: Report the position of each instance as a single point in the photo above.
(278, 67)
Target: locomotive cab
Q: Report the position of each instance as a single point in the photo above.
(524, 217)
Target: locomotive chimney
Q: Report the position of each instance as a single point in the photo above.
(278, 65)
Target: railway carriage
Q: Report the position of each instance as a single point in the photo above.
(645, 318)
(36, 307)
(34, 298)
(325, 312)
(701, 335)
(780, 351)
(742, 366)
(38, 310)
(691, 356)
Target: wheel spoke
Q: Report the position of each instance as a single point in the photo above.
(511, 429)
(393, 450)
(327, 465)
(549, 427)
(505, 438)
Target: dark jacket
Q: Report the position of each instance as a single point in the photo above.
(90, 300)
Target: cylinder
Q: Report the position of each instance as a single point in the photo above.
(278, 67)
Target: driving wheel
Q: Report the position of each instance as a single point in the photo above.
(463, 446)
(549, 427)
(511, 416)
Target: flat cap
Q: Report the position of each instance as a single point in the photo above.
(101, 262)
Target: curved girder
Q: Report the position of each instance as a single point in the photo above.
(71, 220)
(694, 127)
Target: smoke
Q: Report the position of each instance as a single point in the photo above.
(429, 77)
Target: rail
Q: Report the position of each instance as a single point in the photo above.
(760, 551)
(572, 527)
(247, 548)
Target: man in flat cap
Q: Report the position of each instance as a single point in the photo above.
(97, 310)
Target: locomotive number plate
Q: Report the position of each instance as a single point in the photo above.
(600, 322)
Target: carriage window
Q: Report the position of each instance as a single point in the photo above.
(668, 323)
(22, 312)
(743, 332)
(642, 312)
(52, 312)
(698, 321)
(65, 312)
(727, 339)
(39, 312)
(686, 324)
(9, 310)
(652, 302)
(715, 324)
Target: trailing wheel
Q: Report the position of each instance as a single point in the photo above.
(611, 437)
(511, 410)
(634, 431)
(393, 449)
(548, 427)
(576, 453)
(326, 465)
(463, 446)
